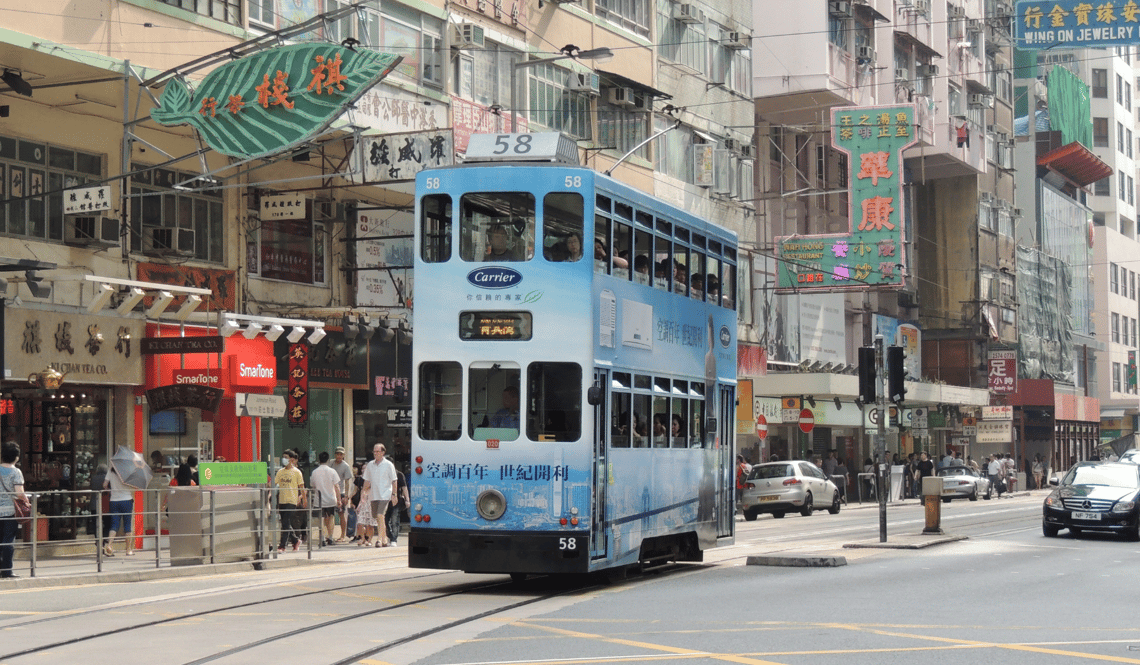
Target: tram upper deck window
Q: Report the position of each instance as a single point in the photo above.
(622, 249)
(496, 226)
(642, 256)
(554, 402)
(728, 285)
(435, 228)
(562, 226)
(494, 401)
(440, 401)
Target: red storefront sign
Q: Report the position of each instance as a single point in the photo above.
(246, 365)
(297, 399)
(1003, 372)
(250, 374)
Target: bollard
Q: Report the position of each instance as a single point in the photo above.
(932, 496)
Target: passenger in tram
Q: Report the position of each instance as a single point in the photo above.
(573, 247)
(661, 274)
(677, 431)
(680, 277)
(502, 246)
(639, 431)
(602, 253)
(508, 415)
(641, 264)
(660, 430)
(697, 286)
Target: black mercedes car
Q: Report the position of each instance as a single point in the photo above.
(1095, 496)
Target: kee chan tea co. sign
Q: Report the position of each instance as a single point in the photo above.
(273, 100)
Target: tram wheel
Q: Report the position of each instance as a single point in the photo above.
(518, 578)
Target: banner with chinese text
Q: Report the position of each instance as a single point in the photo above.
(297, 406)
(1003, 372)
(872, 252)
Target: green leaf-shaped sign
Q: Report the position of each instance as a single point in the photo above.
(273, 100)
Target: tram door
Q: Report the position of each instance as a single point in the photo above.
(726, 485)
(598, 539)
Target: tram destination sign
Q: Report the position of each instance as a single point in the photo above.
(539, 147)
(161, 345)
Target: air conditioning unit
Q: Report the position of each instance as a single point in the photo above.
(923, 7)
(91, 231)
(901, 74)
(737, 40)
(986, 197)
(623, 97)
(688, 13)
(1016, 212)
(746, 150)
(730, 144)
(927, 70)
(166, 241)
(865, 54)
(840, 8)
(974, 25)
(977, 100)
(957, 12)
(467, 35)
(583, 82)
(907, 299)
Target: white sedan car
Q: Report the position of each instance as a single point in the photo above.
(962, 482)
(780, 487)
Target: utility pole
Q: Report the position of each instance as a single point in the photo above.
(881, 403)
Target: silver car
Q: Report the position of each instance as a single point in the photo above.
(780, 487)
(962, 482)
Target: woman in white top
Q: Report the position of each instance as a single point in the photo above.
(122, 507)
(11, 490)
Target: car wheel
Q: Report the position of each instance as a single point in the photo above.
(974, 496)
(807, 507)
(779, 514)
(1050, 530)
(1133, 534)
(989, 493)
(834, 509)
(945, 499)
(750, 515)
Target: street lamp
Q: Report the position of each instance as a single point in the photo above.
(599, 55)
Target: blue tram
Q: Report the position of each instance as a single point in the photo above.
(574, 378)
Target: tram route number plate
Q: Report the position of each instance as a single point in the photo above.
(493, 443)
(568, 544)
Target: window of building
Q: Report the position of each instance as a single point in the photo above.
(623, 127)
(484, 75)
(29, 168)
(292, 250)
(1135, 341)
(1103, 187)
(1128, 96)
(164, 218)
(552, 105)
(261, 13)
(633, 15)
(1128, 142)
(399, 29)
(1119, 90)
(683, 43)
(1116, 327)
(1131, 191)
(1100, 83)
(1100, 132)
(1120, 137)
(1122, 182)
(227, 11)
(1113, 278)
(1132, 285)
(1116, 377)
(837, 29)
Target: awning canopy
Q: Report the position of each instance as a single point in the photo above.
(1076, 163)
(919, 46)
(612, 80)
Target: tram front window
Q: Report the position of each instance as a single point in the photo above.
(494, 401)
(496, 226)
(554, 401)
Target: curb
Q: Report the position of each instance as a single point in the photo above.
(797, 561)
(915, 542)
(165, 572)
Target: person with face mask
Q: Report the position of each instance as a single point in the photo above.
(290, 500)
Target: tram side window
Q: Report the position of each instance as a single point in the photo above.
(642, 257)
(697, 424)
(641, 419)
(622, 250)
(712, 280)
(554, 402)
(602, 245)
(496, 226)
(621, 434)
(562, 224)
(697, 275)
(435, 228)
(681, 269)
(728, 285)
(679, 423)
(440, 401)
(493, 401)
(663, 264)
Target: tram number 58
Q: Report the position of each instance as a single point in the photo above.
(522, 144)
(567, 543)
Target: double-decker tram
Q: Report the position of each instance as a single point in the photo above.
(574, 368)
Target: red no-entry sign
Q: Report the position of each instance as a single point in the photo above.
(807, 421)
(761, 427)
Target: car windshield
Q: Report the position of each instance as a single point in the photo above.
(955, 471)
(771, 471)
(1112, 476)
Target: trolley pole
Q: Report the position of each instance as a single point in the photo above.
(881, 442)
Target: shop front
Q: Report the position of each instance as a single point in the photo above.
(66, 391)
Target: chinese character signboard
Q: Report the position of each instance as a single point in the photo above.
(275, 99)
(86, 348)
(1003, 372)
(469, 118)
(297, 401)
(399, 157)
(223, 283)
(86, 200)
(1076, 23)
(872, 253)
(283, 206)
(1131, 369)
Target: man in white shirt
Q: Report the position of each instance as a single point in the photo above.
(994, 471)
(344, 472)
(326, 482)
(380, 489)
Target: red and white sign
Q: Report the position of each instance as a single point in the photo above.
(807, 421)
(762, 427)
(248, 374)
(198, 377)
(1003, 372)
(1000, 412)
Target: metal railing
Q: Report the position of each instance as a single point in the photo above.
(175, 526)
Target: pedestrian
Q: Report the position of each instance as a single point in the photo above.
(380, 490)
(1010, 468)
(742, 470)
(290, 500)
(402, 501)
(924, 469)
(122, 507)
(1038, 471)
(948, 458)
(841, 470)
(872, 481)
(973, 464)
(11, 492)
(365, 522)
(326, 486)
(344, 472)
(909, 471)
(994, 471)
(830, 463)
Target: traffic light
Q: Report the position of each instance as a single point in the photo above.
(896, 374)
(867, 374)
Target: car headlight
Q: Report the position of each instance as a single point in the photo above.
(1053, 501)
(1124, 506)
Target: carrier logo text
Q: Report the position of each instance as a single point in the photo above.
(494, 277)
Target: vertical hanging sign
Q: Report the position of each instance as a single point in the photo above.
(297, 412)
(1132, 369)
(871, 253)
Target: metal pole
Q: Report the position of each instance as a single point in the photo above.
(35, 527)
(881, 442)
(158, 528)
(514, 66)
(212, 523)
(98, 531)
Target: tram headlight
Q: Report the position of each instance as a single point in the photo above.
(562, 521)
(573, 511)
(419, 459)
(573, 521)
(491, 504)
